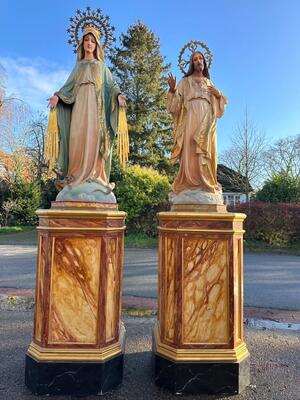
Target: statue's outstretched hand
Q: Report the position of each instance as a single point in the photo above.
(214, 91)
(172, 82)
(53, 100)
(122, 100)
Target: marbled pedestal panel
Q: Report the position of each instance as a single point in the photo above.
(199, 332)
(77, 330)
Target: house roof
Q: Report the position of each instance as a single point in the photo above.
(232, 181)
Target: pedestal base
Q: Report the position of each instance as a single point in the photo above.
(198, 344)
(73, 378)
(52, 373)
(78, 340)
(201, 377)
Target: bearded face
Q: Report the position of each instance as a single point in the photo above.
(198, 62)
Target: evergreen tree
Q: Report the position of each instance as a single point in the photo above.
(141, 72)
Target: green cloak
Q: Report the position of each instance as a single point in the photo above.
(107, 92)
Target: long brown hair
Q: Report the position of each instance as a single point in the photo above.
(191, 66)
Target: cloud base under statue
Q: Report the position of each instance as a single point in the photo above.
(196, 196)
(87, 192)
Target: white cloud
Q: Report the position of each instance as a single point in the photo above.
(32, 80)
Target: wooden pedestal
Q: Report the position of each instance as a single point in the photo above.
(199, 332)
(78, 302)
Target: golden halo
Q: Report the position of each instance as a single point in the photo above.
(188, 49)
(95, 19)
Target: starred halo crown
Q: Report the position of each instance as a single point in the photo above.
(95, 21)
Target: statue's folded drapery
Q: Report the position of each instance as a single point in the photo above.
(87, 116)
(194, 112)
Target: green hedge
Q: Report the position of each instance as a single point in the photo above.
(142, 193)
(272, 223)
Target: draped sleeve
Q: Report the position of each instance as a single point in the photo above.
(176, 106)
(111, 92)
(67, 92)
(67, 97)
(218, 104)
(175, 100)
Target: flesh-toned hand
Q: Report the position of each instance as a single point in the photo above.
(122, 100)
(172, 82)
(53, 100)
(213, 90)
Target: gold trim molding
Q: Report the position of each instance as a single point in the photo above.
(199, 355)
(105, 214)
(163, 229)
(76, 228)
(198, 216)
(64, 355)
(75, 205)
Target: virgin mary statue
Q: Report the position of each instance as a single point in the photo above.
(87, 113)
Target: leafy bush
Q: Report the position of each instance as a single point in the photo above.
(142, 193)
(4, 191)
(24, 199)
(48, 191)
(280, 189)
(273, 223)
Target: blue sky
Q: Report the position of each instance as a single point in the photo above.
(255, 43)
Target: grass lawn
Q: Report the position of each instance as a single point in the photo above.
(7, 230)
(141, 241)
(27, 235)
(256, 246)
(20, 235)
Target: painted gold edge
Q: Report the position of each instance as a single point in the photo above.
(72, 350)
(227, 284)
(240, 231)
(239, 248)
(200, 355)
(203, 357)
(74, 229)
(38, 295)
(198, 215)
(50, 286)
(61, 355)
(84, 213)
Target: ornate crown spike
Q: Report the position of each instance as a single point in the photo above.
(97, 33)
(188, 49)
(94, 21)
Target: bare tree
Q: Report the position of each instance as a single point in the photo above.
(35, 146)
(14, 117)
(283, 157)
(246, 155)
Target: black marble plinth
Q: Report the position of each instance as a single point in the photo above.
(73, 378)
(204, 377)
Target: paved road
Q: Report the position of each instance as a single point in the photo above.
(271, 281)
(274, 359)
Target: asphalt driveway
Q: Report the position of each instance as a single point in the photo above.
(271, 280)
